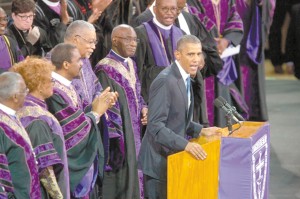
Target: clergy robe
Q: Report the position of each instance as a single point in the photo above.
(18, 157)
(82, 138)
(47, 140)
(39, 48)
(151, 56)
(6, 186)
(121, 76)
(9, 53)
(252, 61)
(87, 86)
(227, 82)
(50, 21)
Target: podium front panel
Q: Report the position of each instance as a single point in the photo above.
(244, 165)
(194, 179)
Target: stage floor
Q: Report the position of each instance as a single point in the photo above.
(283, 100)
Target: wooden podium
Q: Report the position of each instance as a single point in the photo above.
(237, 166)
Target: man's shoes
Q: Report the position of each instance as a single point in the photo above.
(278, 69)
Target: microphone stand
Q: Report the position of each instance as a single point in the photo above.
(229, 123)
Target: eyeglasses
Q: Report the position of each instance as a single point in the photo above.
(128, 40)
(87, 41)
(4, 19)
(167, 9)
(24, 18)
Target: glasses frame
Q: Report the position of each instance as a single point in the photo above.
(4, 19)
(87, 41)
(167, 9)
(128, 40)
(24, 18)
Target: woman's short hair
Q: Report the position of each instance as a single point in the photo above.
(35, 71)
(22, 6)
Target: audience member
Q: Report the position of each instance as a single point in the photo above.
(31, 39)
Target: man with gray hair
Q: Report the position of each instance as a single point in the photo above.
(82, 35)
(19, 177)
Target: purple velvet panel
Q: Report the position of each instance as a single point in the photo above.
(230, 20)
(5, 62)
(48, 159)
(87, 86)
(159, 54)
(209, 24)
(210, 97)
(244, 166)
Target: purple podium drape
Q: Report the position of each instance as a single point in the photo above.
(244, 165)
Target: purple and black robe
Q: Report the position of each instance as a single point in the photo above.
(87, 85)
(9, 53)
(82, 139)
(19, 173)
(154, 51)
(120, 74)
(252, 59)
(47, 140)
(224, 17)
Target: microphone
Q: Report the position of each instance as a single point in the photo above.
(219, 104)
(232, 108)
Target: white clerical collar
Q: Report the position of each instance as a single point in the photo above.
(7, 110)
(61, 79)
(125, 59)
(151, 9)
(182, 71)
(160, 25)
(50, 3)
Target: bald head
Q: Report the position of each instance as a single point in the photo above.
(124, 40)
(119, 30)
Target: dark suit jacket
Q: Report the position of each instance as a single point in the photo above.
(169, 122)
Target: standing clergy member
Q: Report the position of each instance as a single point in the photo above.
(118, 71)
(17, 159)
(82, 138)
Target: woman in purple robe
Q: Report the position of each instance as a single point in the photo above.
(43, 129)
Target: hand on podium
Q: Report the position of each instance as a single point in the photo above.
(196, 150)
(210, 131)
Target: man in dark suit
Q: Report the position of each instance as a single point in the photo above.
(169, 120)
(189, 24)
